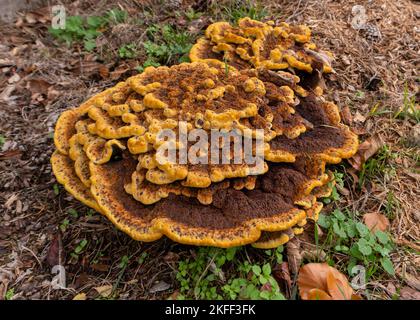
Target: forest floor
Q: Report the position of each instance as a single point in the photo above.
(375, 85)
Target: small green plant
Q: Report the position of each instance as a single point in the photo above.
(90, 213)
(86, 30)
(98, 255)
(257, 283)
(338, 178)
(191, 14)
(379, 165)
(359, 95)
(2, 140)
(56, 189)
(195, 276)
(354, 239)
(391, 205)
(72, 212)
(124, 262)
(79, 29)
(409, 108)
(243, 8)
(66, 221)
(9, 294)
(203, 276)
(81, 246)
(166, 45)
(378, 110)
(128, 51)
(116, 16)
(148, 63)
(276, 254)
(142, 257)
(64, 224)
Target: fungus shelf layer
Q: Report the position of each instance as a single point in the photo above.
(253, 76)
(255, 44)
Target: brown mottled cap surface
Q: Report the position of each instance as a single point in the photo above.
(254, 44)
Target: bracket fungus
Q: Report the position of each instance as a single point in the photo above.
(254, 82)
(255, 44)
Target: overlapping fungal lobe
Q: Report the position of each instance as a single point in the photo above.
(64, 171)
(211, 98)
(196, 175)
(149, 193)
(328, 140)
(255, 44)
(234, 217)
(204, 98)
(109, 152)
(269, 240)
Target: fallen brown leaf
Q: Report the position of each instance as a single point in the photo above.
(359, 118)
(6, 93)
(87, 68)
(346, 115)
(55, 254)
(52, 94)
(100, 267)
(408, 293)
(391, 288)
(42, 15)
(81, 280)
(412, 281)
(320, 281)
(294, 256)
(343, 190)
(13, 79)
(104, 72)
(354, 175)
(6, 63)
(317, 294)
(10, 154)
(3, 290)
(346, 60)
(80, 296)
(312, 252)
(339, 289)
(159, 286)
(376, 221)
(18, 50)
(171, 257)
(312, 276)
(282, 274)
(366, 150)
(119, 71)
(11, 200)
(104, 291)
(38, 86)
